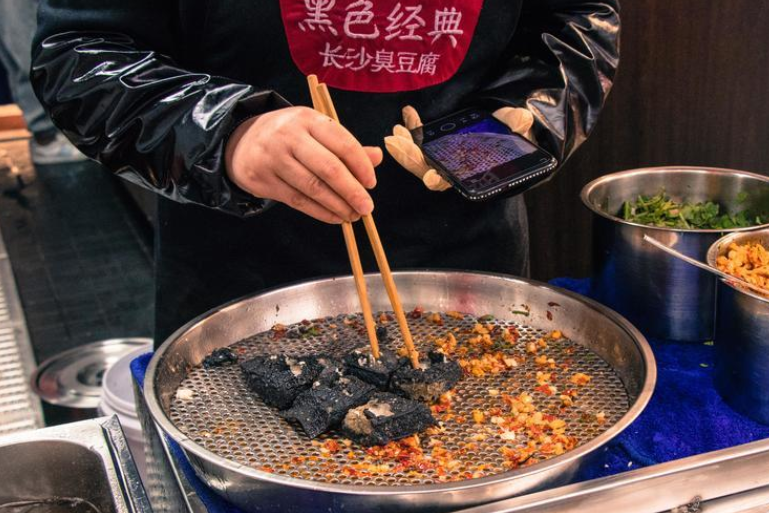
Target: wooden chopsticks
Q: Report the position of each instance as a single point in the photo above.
(392, 291)
(321, 100)
(322, 103)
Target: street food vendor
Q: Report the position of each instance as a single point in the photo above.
(204, 102)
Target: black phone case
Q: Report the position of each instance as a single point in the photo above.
(535, 176)
(505, 190)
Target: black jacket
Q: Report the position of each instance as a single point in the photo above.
(153, 88)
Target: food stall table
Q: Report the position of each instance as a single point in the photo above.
(687, 449)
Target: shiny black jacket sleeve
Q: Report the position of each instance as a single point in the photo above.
(104, 71)
(560, 64)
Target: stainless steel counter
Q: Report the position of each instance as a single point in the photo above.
(734, 480)
(81, 467)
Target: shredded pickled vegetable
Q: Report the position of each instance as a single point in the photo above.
(747, 261)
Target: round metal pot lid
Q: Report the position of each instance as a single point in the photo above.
(73, 378)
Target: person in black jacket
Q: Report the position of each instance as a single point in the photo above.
(200, 101)
(17, 28)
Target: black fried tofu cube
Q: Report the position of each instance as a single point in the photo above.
(362, 364)
(382, 334)
(220, 357)
(436, 375)
(278, 379)
(331, 370)
(323, 407)
(386, 417)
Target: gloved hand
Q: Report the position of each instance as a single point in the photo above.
(405, 151)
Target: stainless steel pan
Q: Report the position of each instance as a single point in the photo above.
(230, 464)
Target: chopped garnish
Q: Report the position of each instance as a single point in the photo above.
(435, 318)
(331, 446)
(533, 424)
(417, 312)
(447, 345)
(508, 436)
(580, 379)
(510, 361)
(510, 335)
(184, 394)
(547, 389)
(489, 363)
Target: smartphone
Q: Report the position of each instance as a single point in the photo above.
(481, 157)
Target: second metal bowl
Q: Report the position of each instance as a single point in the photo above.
(664, 297)
(742, 338)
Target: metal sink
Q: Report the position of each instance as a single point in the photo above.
(84, 467)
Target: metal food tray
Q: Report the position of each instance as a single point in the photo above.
(78, 467)
(226, 468)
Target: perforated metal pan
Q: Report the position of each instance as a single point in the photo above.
(248, 436)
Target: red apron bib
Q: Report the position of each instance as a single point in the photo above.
(380, 45)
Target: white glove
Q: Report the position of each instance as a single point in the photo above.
(405, 151)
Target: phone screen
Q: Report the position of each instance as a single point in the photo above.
(477, 150)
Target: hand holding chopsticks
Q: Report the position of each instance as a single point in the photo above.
(321, 100)
(299, 157)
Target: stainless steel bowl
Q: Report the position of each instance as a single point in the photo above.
(742, 338)
(604, 332)
(664, 297)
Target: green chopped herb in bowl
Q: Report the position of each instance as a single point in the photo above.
(659, 210)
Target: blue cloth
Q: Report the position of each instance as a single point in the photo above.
(685, 417)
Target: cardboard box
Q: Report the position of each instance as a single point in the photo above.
(12, 125)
